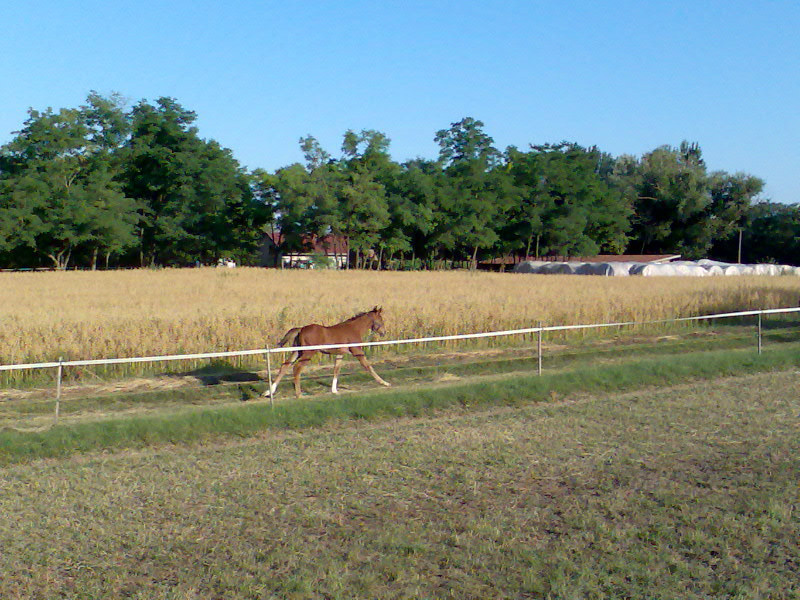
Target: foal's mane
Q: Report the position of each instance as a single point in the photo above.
(358, 316)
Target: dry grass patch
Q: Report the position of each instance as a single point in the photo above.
(153, 312)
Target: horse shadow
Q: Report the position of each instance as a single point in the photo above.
(221, 372)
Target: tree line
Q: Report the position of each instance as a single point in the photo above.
(103, 185)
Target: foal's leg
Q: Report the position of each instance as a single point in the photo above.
(299, 365)
(281, 372)
(363, 360)
(337, 364)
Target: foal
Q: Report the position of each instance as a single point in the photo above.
(350, 331)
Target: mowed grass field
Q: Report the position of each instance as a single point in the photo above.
(152, 312)
(689, 491)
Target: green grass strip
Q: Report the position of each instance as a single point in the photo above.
(247, 419)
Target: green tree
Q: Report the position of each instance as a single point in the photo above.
(324, 183)
(305, 199)
(315, 155)
(58, 189)
(296, 215)
(363, 213)
(368, 148)
(116, 216)
(563, 204)
(732, 197)
(196, 201)
(672, 209)
(23, 206)
(371, 185)
(472, 197)
(415, 209)
(772, 233)
(466, 143)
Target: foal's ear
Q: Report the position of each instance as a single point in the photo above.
(377, 309)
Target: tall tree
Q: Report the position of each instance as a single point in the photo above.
(564, 206)
(731, 199)
(371, 176)
(465, 142)
(772, 234)
(58, 191)
(296, 204)
(305, 198)
(363, 213)
(473, 198)
(116, 216)
(197, 203)
(315, 155)
(415, 209)
(672, 204)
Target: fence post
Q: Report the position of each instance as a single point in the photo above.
(58, 388)
(759, 332)
(269, 377)
(539, 347)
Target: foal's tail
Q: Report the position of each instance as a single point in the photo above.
(291, 336)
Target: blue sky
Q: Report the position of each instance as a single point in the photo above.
(625, 76)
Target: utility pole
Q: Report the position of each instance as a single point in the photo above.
(740, 245)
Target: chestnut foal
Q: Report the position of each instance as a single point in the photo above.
(350, 331)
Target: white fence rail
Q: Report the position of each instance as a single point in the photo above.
(61, 364)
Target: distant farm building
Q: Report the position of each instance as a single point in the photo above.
(305, 252)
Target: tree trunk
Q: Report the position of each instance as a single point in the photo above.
(61, 259)
(475, 259)
(94, 259)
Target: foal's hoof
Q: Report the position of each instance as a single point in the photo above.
(386, 384)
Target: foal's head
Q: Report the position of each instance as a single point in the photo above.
(377, 321)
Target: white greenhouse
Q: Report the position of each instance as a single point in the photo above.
(685, 268)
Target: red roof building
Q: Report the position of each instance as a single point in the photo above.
(273, 253)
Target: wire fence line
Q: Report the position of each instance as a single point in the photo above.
(441, 338)
(60, 364)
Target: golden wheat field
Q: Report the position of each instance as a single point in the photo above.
(150, 312)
